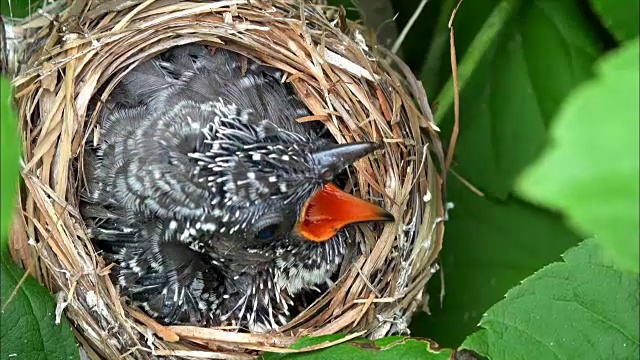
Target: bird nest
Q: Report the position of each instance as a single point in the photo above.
(76, 52)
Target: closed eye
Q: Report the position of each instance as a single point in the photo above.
(267, 233)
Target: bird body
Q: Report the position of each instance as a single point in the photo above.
(212, 201)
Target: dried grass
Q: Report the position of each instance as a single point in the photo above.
(74, 51)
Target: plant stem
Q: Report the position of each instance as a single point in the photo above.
(486, 36)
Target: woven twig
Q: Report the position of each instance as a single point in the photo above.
(80, 52)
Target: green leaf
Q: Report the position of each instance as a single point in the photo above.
(582, 308)
(391, 348)
(468, 23)
(486, 37)
(9, 158)
(18, 8)
(590, 171)
(489, 247)
(619, 16)
(28, 329)
(542, 52)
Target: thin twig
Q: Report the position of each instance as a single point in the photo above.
(478, 47)
(18, 285)
(456, 91)
(466, 183)
(408, 26)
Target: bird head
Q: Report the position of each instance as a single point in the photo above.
(269, 184)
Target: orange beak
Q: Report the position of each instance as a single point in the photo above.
(331, 209)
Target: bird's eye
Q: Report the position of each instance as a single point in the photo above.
(267, 232)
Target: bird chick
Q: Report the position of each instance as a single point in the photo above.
(215, 205)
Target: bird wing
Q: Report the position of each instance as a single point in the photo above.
(155, 274)
(193, 72)
(144, 85)
(238, 80)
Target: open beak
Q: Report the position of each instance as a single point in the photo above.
(331, 209)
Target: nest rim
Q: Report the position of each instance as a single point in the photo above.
(322, 60)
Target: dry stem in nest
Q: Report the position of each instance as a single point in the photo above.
(77, 49)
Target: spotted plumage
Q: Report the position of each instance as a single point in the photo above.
(197, 186)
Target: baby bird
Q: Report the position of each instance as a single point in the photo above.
(215, 205)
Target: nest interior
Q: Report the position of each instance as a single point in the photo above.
(79, 51)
